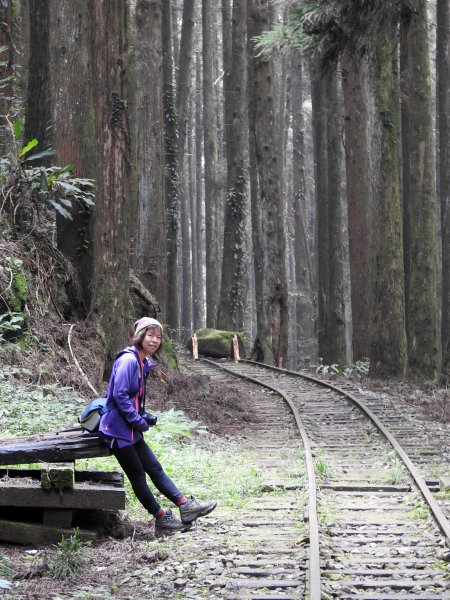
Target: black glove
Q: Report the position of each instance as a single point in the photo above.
(151, 419)
(142, 426)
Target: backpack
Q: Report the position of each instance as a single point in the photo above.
(91, 415)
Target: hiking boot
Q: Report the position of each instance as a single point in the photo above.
(168, 524)
(192, 509)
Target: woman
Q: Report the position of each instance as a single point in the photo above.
(123, 425)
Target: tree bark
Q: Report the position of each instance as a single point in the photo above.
(212, 199)
(388, 336)
(422, 311)
(233, 293)
(199, 250)
(73, 131)
(269, 227)
(111, 236)
(150, 256)
(37, 111)
(320, 139)
(172, 171)
(303, 264)
(337, 314)
(443, 109)
(6, 79)
(358, 198)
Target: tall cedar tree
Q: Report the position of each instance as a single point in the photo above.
(320, 139)
(388, 336)
(212, 192)
(37, 106)
(150, 254)
(198, 287)
(268, 214)
(304, 276)
(357, 163)
(233, 291)
(422, 312)
(111, 237)
(172, 171)
(336, 345)
(6, 78)
(184, 83)
(73, 125)
(443, 106)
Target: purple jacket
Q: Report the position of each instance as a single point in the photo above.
(123, 422)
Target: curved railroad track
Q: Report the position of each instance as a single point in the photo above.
(369, 528)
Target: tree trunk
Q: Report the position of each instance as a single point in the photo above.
(319, 118)
(422, 311)
(303, 264)
(199, 284)
(172, 171)
(111, 238)
(6, 79)
(358, 198)
(212, 199)
(73, 131)
(184, 74)
(337, 315)
(388, 337)
(37, 111)
(233, 293)
(150, 257)
(443, 108)
(269, 237)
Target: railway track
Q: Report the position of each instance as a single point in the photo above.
(356, 521)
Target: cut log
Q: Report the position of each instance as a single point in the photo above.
(34, 534)
(59, 475)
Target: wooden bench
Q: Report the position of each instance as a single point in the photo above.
(38, 506)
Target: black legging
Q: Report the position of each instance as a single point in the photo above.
(137, 460)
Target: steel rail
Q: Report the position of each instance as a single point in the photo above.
(314, 549)
(434, 507)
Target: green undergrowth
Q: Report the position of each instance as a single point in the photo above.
(199, 464)
(197, 461)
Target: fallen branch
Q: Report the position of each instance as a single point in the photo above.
(78, 364)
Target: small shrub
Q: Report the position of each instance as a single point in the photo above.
(69, 558)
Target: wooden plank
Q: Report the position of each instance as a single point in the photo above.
(35, 534)
(82, 496)
(58, 475)
(107, 477)
(63, 447)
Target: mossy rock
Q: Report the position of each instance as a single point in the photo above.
(216, 343)
(168, 355)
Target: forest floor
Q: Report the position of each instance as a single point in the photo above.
(135, 564)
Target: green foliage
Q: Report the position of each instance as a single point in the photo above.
(5, 569)
(47, 186)
(27, 408)
(321, 465)
(358, 369)
(11, 322)
(69, 558)
(13, 298)
(296, 32)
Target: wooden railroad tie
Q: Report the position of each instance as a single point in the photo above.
(38, 506)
